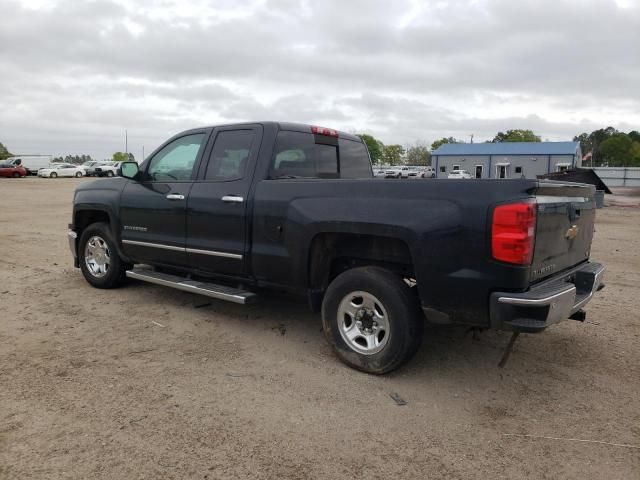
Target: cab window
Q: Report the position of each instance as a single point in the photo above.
(176, 160)
(230, 155)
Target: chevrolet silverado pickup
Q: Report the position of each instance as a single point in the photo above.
(234, 211)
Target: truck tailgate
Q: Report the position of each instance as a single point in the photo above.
(564, 227)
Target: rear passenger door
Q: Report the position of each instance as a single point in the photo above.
(217, 205)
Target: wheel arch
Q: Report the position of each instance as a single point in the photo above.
(331, 253)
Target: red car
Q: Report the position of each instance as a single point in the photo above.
(15, 171)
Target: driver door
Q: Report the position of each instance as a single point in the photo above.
(153, 210)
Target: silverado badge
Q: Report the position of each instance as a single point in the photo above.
(572, 232)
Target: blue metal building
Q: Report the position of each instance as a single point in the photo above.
(507, 159)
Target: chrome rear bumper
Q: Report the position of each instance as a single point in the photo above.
(550, 302)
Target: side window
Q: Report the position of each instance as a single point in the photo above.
(443, 169)
(176, 160)
(518, 169)
(456, 167)
(230, 155)
(298, 155)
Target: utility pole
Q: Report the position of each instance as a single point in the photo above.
(126, 142)
(472, 138)
(142, 153)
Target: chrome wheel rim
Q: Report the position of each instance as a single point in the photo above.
(97, 256)
(363, 323)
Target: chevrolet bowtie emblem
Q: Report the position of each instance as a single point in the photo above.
(572, 232)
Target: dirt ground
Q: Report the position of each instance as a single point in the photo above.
(149, 382)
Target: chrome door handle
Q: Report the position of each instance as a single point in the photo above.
(232, 199)
(175, 196)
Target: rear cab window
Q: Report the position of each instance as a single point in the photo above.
(305, 155)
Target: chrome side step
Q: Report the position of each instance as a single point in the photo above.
(212, 290)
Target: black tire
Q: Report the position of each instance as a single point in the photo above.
(53, 175)
(78, 174)
(16, 175)
(405, 320)
(115, 274)
(109, 173)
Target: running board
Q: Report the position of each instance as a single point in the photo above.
(212, 290)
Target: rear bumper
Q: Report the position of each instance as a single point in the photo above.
(547, 303)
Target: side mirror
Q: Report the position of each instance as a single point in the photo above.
(128, 170)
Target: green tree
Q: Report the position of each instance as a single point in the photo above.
(516, 135)
(598, 137)
(392, 154)
(634, 135)
(616, 150)
(418, 155)
(585, 142)
(4, 153)
(435, 145)
(375, 147)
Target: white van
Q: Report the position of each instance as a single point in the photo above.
(31, 163)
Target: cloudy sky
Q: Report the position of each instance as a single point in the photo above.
(74, 75)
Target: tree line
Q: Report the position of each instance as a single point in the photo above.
(610, 147)
(420, 154)
(602, 147)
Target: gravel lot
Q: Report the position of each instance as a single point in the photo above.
(149, 382)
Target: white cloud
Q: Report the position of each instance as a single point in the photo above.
(76, 74)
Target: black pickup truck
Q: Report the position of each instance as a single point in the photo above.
(231, 211)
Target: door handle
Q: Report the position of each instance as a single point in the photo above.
(175, 196)
(232, 199)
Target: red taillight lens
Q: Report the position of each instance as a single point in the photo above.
(513, 232)
(329, 132)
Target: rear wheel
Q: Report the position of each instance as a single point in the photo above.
(53, 174)
(78, 174)
(372, 319)
(100, 263)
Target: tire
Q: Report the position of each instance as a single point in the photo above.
(16, 175)
(78, 174)
(109, 173)
(53, 175)
(105, 269)
(396, 312)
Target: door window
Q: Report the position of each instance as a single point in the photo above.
(230, 155)
(176, 160)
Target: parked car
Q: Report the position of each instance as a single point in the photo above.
(393, 173)
(289, 207)
(91, 171)
(379, 173)
(107, 170)
(459, 174)
(31, 163)
(86, 166)
(10, 170)
(428, 172)
(61, 170)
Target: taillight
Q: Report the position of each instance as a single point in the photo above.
(513, 232)
(329, 132)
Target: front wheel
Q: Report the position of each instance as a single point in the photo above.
(78, 174)
(372, 319)
(109, 173)
(53, 174)
(99, 260)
